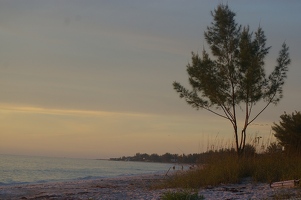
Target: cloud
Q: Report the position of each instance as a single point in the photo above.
(50, 111)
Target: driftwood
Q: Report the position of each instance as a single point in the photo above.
(285, 184)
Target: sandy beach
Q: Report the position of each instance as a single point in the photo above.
(126, 187)
(136, 187)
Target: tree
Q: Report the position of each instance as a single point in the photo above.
(235, 76)
(288, 132)
(155, 157)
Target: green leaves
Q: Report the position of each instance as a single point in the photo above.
(223, 35)
(276, 79)
(250, 63)
(190, 97)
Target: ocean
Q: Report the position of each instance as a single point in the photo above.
(29, 169)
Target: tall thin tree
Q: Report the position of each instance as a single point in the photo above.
(235, 76)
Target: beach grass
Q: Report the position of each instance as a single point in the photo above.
(223, 168)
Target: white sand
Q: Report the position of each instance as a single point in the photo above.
(249, 190)
(133, 187)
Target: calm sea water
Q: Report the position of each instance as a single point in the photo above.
(26, 169)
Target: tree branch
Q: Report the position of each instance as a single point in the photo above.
(270, 101)
(216, 113)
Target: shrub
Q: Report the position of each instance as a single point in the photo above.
(274, 148)
(288, 132)
(181, 195)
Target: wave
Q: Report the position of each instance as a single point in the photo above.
(90, 177)
(13, 183)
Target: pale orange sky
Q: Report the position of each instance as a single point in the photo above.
(93, 79)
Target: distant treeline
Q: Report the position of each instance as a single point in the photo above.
(200, 158)
(166, 158)
(171, 158)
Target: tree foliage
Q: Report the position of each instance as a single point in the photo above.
(234, 76)
(288, 132)
(167, 158)
(274, 148)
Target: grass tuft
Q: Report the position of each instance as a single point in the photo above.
(182, 195)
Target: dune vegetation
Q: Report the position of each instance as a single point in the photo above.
(224, 166)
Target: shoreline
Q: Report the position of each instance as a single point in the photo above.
(123, 187)
(88, 178)
(137, 187)
(167, 172)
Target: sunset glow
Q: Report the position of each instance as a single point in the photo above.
(93, 79)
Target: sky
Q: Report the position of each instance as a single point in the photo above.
(93, 79)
